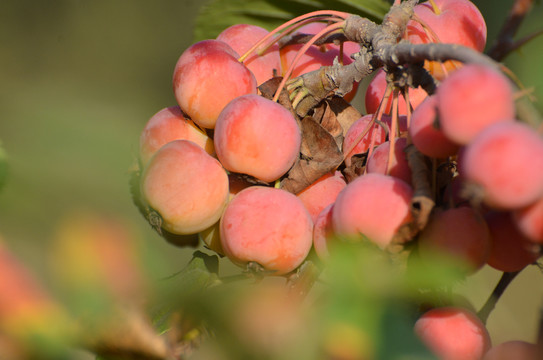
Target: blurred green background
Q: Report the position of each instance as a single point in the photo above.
(78, 81)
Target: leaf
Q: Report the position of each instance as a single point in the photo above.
(217, 15)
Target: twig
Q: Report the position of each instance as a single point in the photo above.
(505, 280)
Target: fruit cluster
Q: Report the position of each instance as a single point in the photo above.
(218, 167)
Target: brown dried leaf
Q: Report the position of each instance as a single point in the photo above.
(320, 155)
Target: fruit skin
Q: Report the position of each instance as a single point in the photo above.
(510, 250)
(459, 22)
(425, 134)
(453, 333)
(376, 90)
(208, 76)
(373, 205)
(514, 350)
(167, 125)
(461, 233)
(486, 97)
(399, 168)
(241, 37)
(186, 186)
(258, 137)
(529, 220)
(322, 193)
(323, 232)
(504, 165)
(268, 226)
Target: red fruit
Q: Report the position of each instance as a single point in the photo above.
(426, 134)
(514, 350)
(529, 220)
(504, 165)
(206, 77)
(373, 205)
(258, 137)
(485, 96)
(510, 250)
(241, 37)
(322, 193)
(167, 125)
(453, 333)
(323, 232)
(398, 167)
(268, 226)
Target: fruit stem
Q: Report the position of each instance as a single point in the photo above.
(505, 280)
(436, 9)
(329, 15)
(302, 51)
(393, 129)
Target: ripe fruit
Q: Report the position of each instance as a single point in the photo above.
(453, 333)
(378, 162)
(373, 205)
(504, 165)
(486, 98)
(241, 37)
(509, 250)
(258, 137)
(322, 193)
(529, 220)
(268, 226)
(454, 22)
(323, 232)
(376, 90)
(460, 233)
(426, 134)
(514, 349)
(186, 186)
(167, 125)
(206, 77)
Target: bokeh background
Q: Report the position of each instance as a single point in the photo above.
(78, 81)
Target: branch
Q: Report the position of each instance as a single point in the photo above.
(505, 280)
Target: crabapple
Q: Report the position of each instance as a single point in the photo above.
(268, 226)
(241, 37)
(378, 160)
(529, 220)
(461, 233)
(323, 232)
(453, 22)
(453, 333)
(206, 77)
(373, 205)
(322, 192)
(425, 133)
(486, 97)
(509, 250)
(186, 186)
(376, 90)
(258, 137)
(167, 125)
(503, 165)
(514, 349)
(358, 138)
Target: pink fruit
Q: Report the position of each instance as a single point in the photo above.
(241, 37)
(186, 186)
(258, 137)
(167, 125)
(206, 77)
(529, 220)
(514, 349)
(268, 226)
(510, 250)
(322, 193)
(485, 96)
(323, 232)
(398, 167)
(376, 91)
(453, 333)
(425, 133)
(373, 205)
(504, 165)
(460, 233)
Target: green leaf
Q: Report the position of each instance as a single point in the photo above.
(217, 15)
